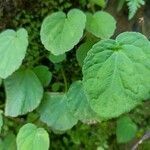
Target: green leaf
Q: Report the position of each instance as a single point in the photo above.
(13, 46)
(56, 86)
(55, 112)
(126, 129)
(43, 74)
(116, 74)
(133, 6)
(23, 93)
(101, 24)
(9, 142)
(61, 32)
(101, 3)
(82, 51)
(78, 103)
(32, 138)
(57, 58)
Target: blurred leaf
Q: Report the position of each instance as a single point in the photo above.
(9, 142)
(101, 3)
(56, 86)
(126, 129)
(82, 51)
(56, 58)
(43, 74)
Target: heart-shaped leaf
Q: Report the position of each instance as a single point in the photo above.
(13, 46)
(101, 24)
(32, 138)
(60, 33)
(116, 74)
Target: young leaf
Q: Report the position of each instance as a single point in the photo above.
(32, 138)
(101, 24)
(23, 93)
(116, 74)
(55, 112)
(126, 129)
(60, 33)
(78, 104)
(133, 6)
(56, 58)
(56, 86)
(82, 51)
(43, 74)
(13, 46)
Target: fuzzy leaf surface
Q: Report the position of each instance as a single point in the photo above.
(55, 113)
(78, 103)
(13, 46)
(101, 24)
(116, 74)
(61, 32)
(32, 138)
(24, 92)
